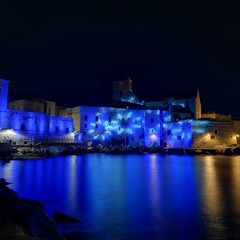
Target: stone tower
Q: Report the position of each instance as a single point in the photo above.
(117, 90)
(198, 113)
(127, 84)
(3, 94)
(120, 87)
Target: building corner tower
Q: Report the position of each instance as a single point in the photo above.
(3, 94)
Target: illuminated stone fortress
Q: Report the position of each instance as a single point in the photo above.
(172, 122)
(32, 126)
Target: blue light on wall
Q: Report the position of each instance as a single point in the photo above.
(28, 126)
(178, 134)
(112, 124)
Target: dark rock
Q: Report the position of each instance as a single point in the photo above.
(35, 203)
(25, 215)
(4, 182)
(64, 218)
(228, 151)
(236, 150)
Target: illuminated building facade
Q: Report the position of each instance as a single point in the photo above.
(26, 127)
(107, 124)
(145, 127)
(172, 122)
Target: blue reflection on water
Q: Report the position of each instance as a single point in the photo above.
(137, 196)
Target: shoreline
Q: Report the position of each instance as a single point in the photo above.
(26, 219)
(53, 150)
(23, 218)
(56, 150)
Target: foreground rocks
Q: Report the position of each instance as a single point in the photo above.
(60, 217)
(21, 219)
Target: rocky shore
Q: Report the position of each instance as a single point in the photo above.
(23, 219)
(75, 149)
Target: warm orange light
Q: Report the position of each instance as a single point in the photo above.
(153, 137)
(237, 135)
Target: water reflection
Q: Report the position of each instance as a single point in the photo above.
(211, 191)
(236, 184)
(154, 185)
(137, 196)
(73, 181)
(221, 196)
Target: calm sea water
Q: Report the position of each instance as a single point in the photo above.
(136, 196)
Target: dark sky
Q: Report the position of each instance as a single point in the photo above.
(73, 50)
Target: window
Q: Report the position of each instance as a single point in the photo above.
(213, 137)
(49, 110)
(67, 130)
(85, 117)
(23, 127)
(169, 132)
(96, 118)
(109, 119)
(216, 131)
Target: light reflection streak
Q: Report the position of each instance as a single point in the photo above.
(73, 179)
(154, 186)
(236, 183)
(211, 191)
(8, 171)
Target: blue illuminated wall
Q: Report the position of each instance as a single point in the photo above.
(152, 127)
(177, 134)
(21, 126)
(104, 124)
(132, 126)
(61, 129)
(3, 94)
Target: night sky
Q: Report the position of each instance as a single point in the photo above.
(71, 52)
